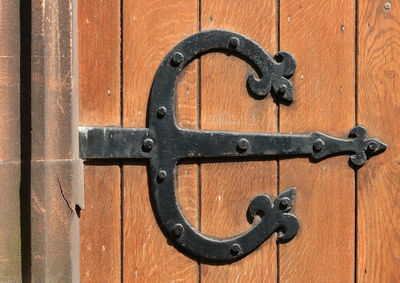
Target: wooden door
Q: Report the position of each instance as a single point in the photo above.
(348, 59)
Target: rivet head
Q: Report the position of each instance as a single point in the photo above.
(177, 230)
(387, 6)
(235, 249)
(161, 111)
(285, 203)
(162, 174)
(318, 145)
(234, 42)
(243, 144)
(148, 144)
(282, 90)
(372, 146)
(177, 59)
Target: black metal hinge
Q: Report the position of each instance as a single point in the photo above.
(164, 144)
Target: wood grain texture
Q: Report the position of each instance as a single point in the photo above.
(228, 188)
(378, 245)
(99, 83)
(99, 62)
(151, 29)
(187, 117)
(100, 225)
(320, 34)
(147, 255)
(321, 37)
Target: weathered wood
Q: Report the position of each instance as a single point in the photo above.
(99, 67)
(378, 214)
(228, 188)
(187, 117)
(147, 255)
(151, 29)
(320, 34)
(100, 225)
(99, 63)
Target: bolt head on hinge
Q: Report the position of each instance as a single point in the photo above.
(372, 147)
(177, 230)
(148, 145)
(318, 145)
(234, 42)
(243, 144)
(235, 249)
(161, 111)
(162, 174)
(177, 59)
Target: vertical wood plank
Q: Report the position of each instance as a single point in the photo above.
(320, 34)
(99, 83)
(187, 117)
(99, 63)
(151, 29)
(378, 244)
(228, 188)
(100, 225)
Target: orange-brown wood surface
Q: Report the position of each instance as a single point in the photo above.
(228, 188)
(100, 225)
(320, 34)
(187, 111)
(99, 66)
(151, 29)
(378, 244)
(99, 63)
(349, 221)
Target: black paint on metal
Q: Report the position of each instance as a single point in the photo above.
(164, 144)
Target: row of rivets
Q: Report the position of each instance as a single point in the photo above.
(177, 231)
(178, 58)
(319, 145)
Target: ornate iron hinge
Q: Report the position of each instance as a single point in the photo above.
(164, 144)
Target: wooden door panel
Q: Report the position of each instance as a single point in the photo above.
(378, 212)
(325, 99)
(150, 30)
(101, 225)
(99, 101)
(347, 63)
(228, 188)
(99, 63)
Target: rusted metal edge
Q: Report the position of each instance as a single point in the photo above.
(55, 170)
